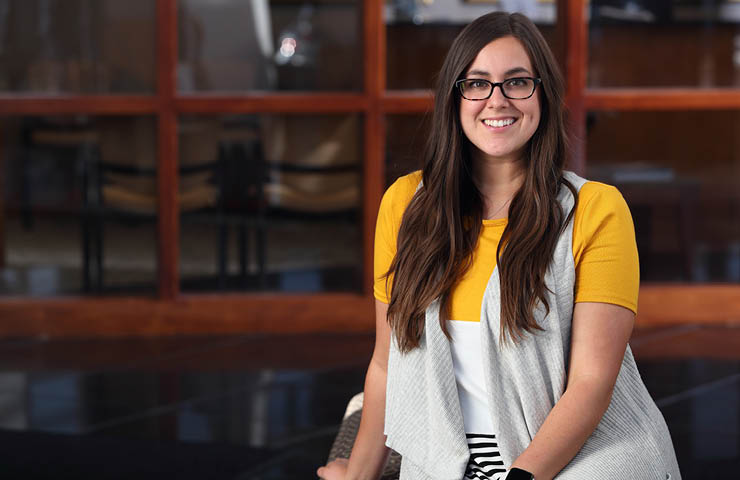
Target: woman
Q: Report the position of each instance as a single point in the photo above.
(509, 293)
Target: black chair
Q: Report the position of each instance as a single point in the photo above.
(120, 182)
(310, 177)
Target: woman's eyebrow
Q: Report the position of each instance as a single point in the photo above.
(511, 71)
(478, 73)
(514, 70)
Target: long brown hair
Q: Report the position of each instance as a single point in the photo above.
(442, 223)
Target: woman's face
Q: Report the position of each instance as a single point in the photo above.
(501, 59)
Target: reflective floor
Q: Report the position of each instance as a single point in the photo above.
(268, 407)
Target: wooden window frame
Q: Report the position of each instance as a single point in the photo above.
(172, 312)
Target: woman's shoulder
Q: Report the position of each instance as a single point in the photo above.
(599, 195)
(399, 194)
(599, 203)
(407, 184)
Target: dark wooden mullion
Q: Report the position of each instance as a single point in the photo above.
(374, 165)
(660, 305)
(374, 138)
(3, 251)
(168, 237)
(575, 28)
(662, 99)
(190, 314)
(407, 101)
(329, 102)
(79, 104)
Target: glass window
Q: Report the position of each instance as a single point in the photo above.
(271, 202)
(406, 137)
(79, 205)
(631, 43)
(678, 171)
(232, 45)
(419, 33)
(680, 174)
(77, 46)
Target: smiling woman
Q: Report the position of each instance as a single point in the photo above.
(506, 290)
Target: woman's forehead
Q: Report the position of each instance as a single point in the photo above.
(502, 57)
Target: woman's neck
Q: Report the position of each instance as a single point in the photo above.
(498, 182)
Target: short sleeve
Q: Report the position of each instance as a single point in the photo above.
(604, 248)
(394, 203)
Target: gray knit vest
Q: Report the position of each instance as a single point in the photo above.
(423, 419)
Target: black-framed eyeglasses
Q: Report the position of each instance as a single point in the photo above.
(517, 88)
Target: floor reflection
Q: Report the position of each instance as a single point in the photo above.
(266, 407)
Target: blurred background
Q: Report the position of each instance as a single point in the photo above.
(189, 191)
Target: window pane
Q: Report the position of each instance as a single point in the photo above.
(233, 45)
(680, 175)
(271, 202)
(77, 46)
(406, 137)
(79, 205)
(420, 33)
(631, 43)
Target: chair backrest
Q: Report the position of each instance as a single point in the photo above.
(313, 164)
(128, 162)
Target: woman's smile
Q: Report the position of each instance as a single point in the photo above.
(499, 124)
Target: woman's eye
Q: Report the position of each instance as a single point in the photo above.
(477, 84)
(515, 82)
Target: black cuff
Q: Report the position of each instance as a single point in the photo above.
(519, 474)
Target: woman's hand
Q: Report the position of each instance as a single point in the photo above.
(334, 470)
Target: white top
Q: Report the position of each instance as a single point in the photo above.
(467, 360)
(485, 461)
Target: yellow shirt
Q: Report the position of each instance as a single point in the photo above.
(604, 249)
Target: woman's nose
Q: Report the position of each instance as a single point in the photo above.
(497, 98)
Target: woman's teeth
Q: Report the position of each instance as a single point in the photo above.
(499, 123)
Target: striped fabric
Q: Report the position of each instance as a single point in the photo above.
(485, 460)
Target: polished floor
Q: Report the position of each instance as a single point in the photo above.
(268, 407)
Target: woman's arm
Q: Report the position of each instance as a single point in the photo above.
(369, 452)
(600, 333)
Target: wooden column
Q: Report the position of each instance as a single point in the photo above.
(168, 238)
(374, 141)
(573, 16)
(3, 150)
